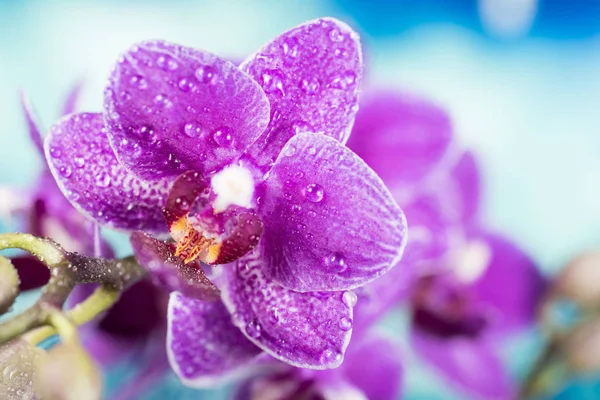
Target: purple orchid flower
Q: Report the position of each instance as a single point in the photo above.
(372, 369)
(122, 331)
(468, 287)
(244, 166)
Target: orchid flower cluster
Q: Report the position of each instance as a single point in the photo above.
(266, 215)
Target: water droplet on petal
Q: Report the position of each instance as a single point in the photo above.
(222, 136)
(162, 100)
(345, 324)
(205, 74)
(138, 81)
(290, 50)
(192, 129)
(185, 85)
(335, 262)
(290, 150)
(310, 85)
(344, 80)
(314, 193)
(55, 152)
(349, 298)
(253, 329)
(103, 180)
(79, 162)
(335, 35)
(65, 171)
(167, 63)
(272, 81)
(330, 355)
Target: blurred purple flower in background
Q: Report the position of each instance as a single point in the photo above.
(467, 287)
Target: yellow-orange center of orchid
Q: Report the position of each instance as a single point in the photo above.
(191, 244)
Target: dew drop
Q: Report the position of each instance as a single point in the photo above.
(349, 298)
(79, 162)
(335, 262)
(55, 152)
(310, 85)
(138, 81)
(290, 50)
(253, 329)
(222, 136)
(185, 85)
(162, 100)
(335, 35)
(167, 63)
(103, 180)
(345, 324)
(330, 355)
(314, 193)
(65, 171)
(205, 74)
(272, 81)
(192, 129)
(344, 80)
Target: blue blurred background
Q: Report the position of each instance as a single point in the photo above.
(520, 78)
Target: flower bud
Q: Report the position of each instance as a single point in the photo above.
(578, 281)
(68, 373)
(582, 347)
(18, 361)
(9, 285)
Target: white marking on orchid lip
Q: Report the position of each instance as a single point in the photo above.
(233, 185)
(472, 260)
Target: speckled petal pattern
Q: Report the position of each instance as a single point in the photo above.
(309, 330)
(168, 271)
(171, 108)
(204, 347)
(89, 175)
(330, 223)
(311, 75)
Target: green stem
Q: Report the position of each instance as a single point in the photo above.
(101, 300)
(49, 252)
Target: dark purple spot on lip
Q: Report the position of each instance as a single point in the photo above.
(444, 309)
(445, 326)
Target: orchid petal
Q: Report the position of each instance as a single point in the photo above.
(170, 272)
(203, 346)
(330, 223)
(72, 100)
(403, 138)
(311, 76)
(308, 330)
(511, 284)
(374, 365)
(472, 365)
(33, 124)
(89, 175)
(170, 109)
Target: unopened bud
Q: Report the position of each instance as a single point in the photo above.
(18, 361)
(578, 281)
(9, 285)
(68, 373)
(582, 347)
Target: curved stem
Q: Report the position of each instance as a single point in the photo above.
(101, 300)
(48, 252)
